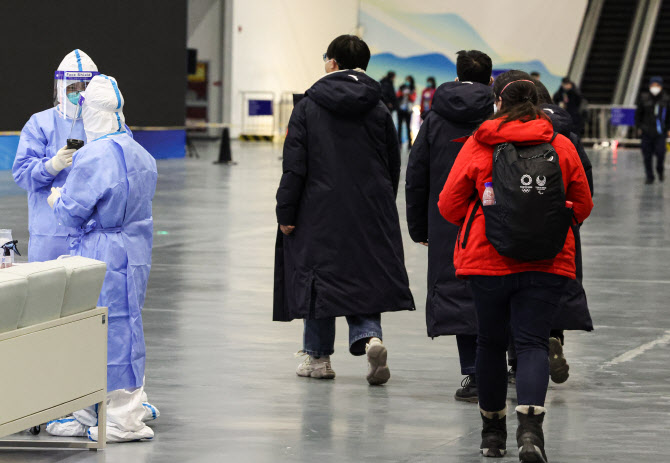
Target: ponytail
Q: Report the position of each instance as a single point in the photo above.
(519, 98)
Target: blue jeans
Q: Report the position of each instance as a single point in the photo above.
(526, 303)
(467, 352)
(319, 337)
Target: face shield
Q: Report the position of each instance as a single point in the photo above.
(68, 86)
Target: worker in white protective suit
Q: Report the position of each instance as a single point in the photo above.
(107, 200)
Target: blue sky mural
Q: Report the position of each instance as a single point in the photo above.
(423, 41)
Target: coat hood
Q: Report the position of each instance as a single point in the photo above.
(465, 102)
(346, 92)
(560, 118)
(535, 131)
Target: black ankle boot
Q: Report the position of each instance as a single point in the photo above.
(494, 433)
(529, 435)
(468, 391)
(559, 370)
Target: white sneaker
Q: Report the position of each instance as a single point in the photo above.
(318, 368)
(150, 412)
(117, 435)
(378, 372)
(67, 427)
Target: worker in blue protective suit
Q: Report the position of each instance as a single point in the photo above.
(107, 199)
(43, 160)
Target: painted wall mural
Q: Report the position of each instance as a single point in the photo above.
(422, 38)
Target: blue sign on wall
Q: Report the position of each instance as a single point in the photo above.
(623, 116)
(260, 107)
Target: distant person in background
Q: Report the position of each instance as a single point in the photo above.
(406, 98)
(651, 120)
(339, 249)
(535, 75)
(570, 98)
(388, 91)
(458, 109)
(427, 95)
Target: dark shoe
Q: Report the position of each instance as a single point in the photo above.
(661, 177)
(558, 365)
(529, 434)
(511, 376)
(649, 181)
(494, 433)
(468, 390)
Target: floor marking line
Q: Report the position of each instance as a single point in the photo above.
(631, 354)
(626, 280)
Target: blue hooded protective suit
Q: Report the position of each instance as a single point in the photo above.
(107, 198)
(43, 135)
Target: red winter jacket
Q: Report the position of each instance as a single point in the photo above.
(473, 168)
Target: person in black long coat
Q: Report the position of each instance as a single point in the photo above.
(574, 312)
(458, 109)
(339, 248)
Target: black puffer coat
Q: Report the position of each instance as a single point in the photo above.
(340, 181)
(574, 313)
(458, 109)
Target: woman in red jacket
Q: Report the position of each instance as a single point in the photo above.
(523, 296)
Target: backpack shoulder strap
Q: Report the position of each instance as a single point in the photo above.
(553, 138)
(468, 226)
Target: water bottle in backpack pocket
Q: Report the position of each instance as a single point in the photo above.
(529, 220)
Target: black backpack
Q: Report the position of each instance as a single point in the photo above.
(530, 220)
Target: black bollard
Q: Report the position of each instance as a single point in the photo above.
(225, 154)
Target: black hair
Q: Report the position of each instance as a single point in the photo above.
(543, 95)
(566, 80)
(349, 52)
(519, 98)
(390, 74)
(535, 75)
(474, 66)
(411, 82)
(431, 79)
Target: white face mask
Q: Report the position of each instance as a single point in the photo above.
(655, 90)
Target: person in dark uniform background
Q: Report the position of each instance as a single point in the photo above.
(570, 98)
(651, 120)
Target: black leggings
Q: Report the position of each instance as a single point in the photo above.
(527, 303)
(511, 350)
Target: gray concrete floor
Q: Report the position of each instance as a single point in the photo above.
(223, 377)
